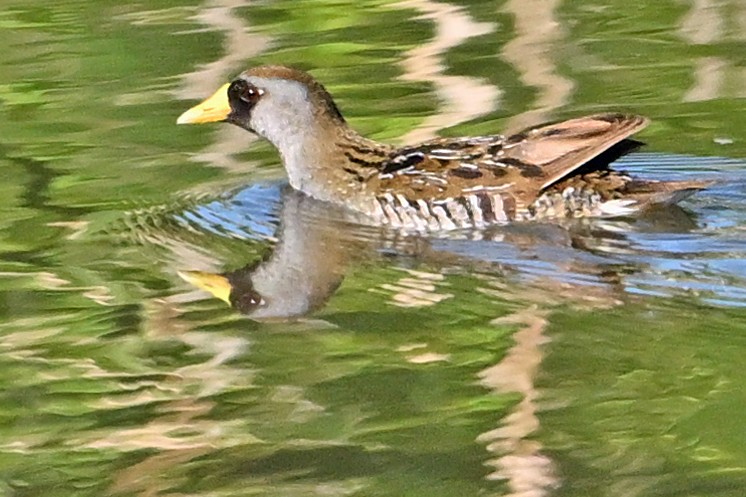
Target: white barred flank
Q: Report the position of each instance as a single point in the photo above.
(392, 217)
(443, 219)
(432, 222)
(478, 209)
(458, 212)
(573, 202)
(498, 208)
(410, 216)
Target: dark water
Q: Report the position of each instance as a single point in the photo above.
(593, 358)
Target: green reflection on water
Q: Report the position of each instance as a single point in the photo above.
(120, 380)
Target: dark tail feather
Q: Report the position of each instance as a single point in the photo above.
(648, 193)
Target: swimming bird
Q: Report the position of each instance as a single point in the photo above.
(547, 172)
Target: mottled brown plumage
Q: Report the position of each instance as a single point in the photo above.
(540, 173)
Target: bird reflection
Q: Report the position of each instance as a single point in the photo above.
(317, 242)
(316, 246)
(298, 276)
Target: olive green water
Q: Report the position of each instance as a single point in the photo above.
(595, 359)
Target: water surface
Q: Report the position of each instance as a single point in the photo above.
(592, 358)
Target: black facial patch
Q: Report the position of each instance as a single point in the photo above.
(246, 301)
(242, 97)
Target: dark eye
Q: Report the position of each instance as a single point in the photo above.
(245, 91)
(248, 302)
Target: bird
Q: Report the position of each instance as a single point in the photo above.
(548, 172)
(298, 274)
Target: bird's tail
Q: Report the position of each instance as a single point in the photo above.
(649, 193)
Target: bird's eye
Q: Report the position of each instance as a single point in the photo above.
(245, 91)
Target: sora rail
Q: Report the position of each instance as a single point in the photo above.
(542, 173)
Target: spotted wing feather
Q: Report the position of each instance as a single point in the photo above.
(522, 164)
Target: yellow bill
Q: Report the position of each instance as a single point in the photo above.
(216, 108)
(216, 284)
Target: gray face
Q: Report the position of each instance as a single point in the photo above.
(276, 109)
(291, 116)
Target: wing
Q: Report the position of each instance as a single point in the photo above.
(442, 168)
(560, 149)
(519, 166)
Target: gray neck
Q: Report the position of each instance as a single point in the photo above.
(304, 135)
(306, 155)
